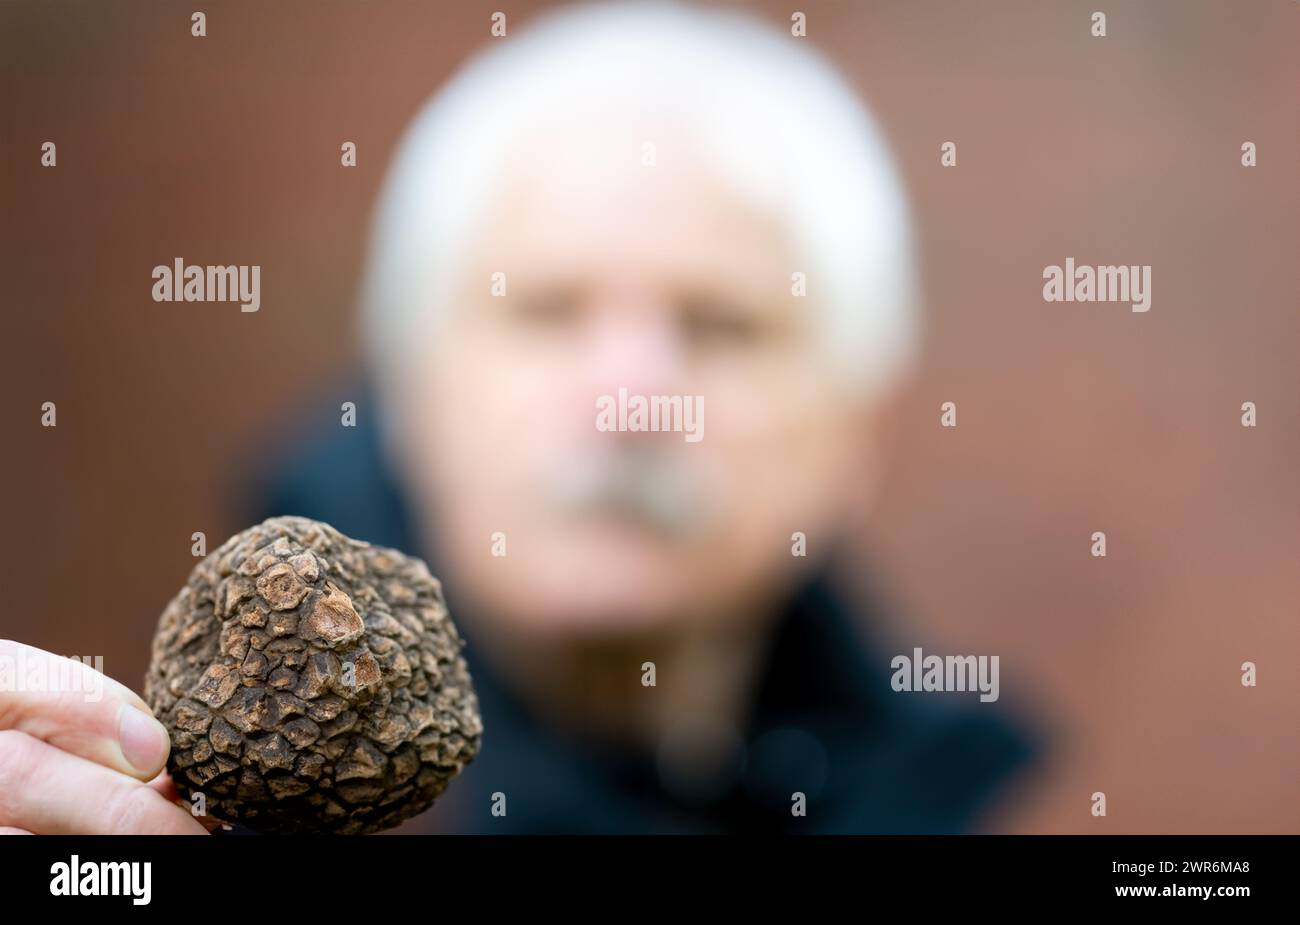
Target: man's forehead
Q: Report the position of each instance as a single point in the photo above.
(598, 202)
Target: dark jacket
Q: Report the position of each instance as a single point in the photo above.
(826, 722)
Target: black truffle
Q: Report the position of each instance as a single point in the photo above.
(312, 683)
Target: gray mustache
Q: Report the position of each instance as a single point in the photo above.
(645, 487)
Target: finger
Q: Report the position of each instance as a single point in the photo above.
(164, 784)
(210, 824)
(10, 830)
(78, 672)
(47, 790)
(82, 711)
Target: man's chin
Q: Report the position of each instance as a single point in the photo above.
(603, 611)
(615, 586)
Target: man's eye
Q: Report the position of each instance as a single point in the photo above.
(544, 310)
(715, 324)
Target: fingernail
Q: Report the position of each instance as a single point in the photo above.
(143, 740)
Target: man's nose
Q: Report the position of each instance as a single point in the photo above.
(633, 344)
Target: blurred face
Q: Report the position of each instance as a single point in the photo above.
(659, 281)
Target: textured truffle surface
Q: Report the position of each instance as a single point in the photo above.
(312, 683)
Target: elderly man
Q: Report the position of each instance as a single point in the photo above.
(658, 207)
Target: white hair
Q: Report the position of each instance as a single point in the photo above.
(773, 117)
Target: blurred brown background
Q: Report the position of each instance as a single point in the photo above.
(1072, 417)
